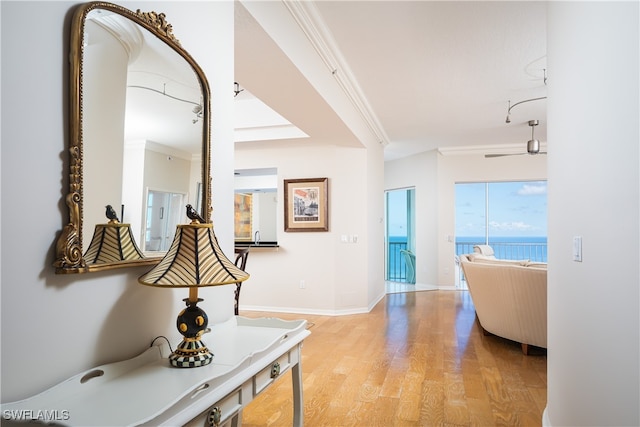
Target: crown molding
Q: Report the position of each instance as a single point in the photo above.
(310, 22)
(125, 31)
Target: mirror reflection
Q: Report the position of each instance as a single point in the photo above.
(140, 133)
(256, 203)
(154, 145)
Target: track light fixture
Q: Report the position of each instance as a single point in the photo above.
(508, 120)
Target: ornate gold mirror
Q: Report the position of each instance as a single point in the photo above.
(139, 139)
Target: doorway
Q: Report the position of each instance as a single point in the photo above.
(163, 214)
(400, 235)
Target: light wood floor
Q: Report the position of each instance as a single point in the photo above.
(417, 359)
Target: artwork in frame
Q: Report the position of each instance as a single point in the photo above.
(243, 216)
(306, 204)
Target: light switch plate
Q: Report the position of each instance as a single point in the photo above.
(577, 248)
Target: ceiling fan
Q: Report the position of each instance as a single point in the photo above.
(533, 145)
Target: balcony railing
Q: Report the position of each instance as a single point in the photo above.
(396, 266)
(532, 251)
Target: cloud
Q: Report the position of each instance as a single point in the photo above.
(532, 190)
(511, 226)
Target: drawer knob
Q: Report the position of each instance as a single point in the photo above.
(275, 370)
(215, 416)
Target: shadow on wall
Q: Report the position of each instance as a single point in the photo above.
(138, 316)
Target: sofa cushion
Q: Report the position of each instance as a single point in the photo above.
(537, 264)
(485, 250)
(491, 260)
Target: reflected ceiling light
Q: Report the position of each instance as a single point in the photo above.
(236, 89)
(197, 110)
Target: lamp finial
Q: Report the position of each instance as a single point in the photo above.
(194, 216)
(111, 214)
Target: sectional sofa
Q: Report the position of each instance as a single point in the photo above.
(510, 297)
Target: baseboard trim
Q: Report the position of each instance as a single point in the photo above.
(298, 310)
(376, 301)
(546, 422)
(341, 312)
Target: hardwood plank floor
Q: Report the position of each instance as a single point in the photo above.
(417, 359)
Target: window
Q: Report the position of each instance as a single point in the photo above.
(511, 217)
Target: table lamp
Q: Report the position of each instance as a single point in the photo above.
(112, 242)
(194, 260)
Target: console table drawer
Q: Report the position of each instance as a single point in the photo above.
(221, 413)
(265, 377)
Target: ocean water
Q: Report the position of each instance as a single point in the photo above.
(530, 248)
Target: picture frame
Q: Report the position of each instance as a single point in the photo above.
(306, 204)
(243, 216)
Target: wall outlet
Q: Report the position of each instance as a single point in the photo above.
(302, 284)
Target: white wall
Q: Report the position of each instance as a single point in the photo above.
(53, 326)
(420, 171)
(265, 208)
(374, 178)
(104, 87)
(593, 133)
(354, 280)
(434, 177)
(133, 194)
(335, 273)
(166, 173)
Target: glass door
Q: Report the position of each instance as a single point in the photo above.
(164, 212)
(400, 235)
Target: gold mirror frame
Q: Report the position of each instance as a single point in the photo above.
(69, 248)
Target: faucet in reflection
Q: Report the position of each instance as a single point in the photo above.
(256, 237)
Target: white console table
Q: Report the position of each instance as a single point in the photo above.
(249, 354)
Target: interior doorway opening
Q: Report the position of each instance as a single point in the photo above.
(164, 212)
(400, 236)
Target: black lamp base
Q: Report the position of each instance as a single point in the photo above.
(192, 323)
(191, 353)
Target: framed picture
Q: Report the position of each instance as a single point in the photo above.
(243, 215)
(306, 204)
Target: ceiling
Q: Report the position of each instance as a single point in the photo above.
(434, 75)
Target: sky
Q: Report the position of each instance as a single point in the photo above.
(397, 213)
(515, 209)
